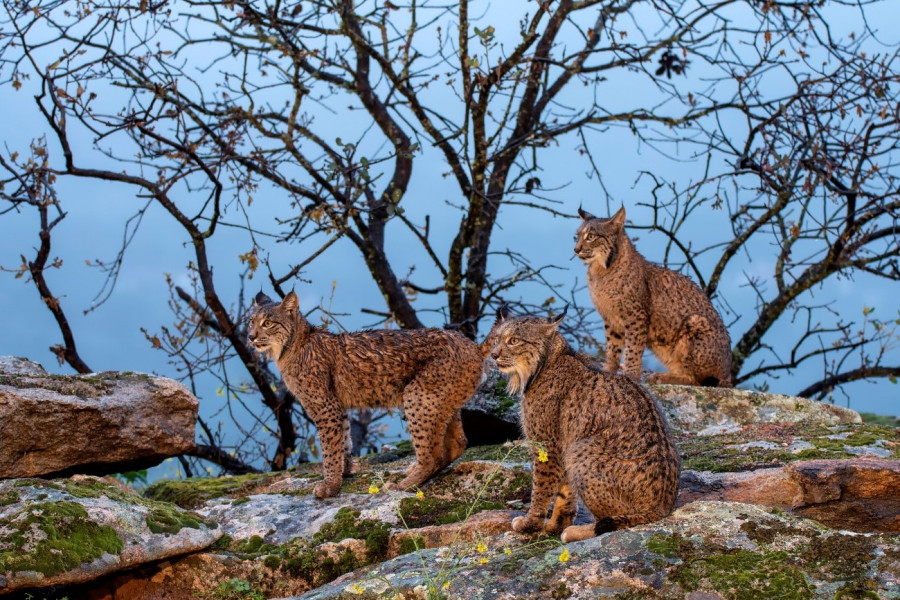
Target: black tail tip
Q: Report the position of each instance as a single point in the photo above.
(605, 525)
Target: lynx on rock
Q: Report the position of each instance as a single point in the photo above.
(646, 305)
(598, 434)
(430, 373)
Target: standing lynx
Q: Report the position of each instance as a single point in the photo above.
(646, 305)
(601, 435)
(430, 373)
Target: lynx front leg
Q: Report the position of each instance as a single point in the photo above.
(563, 509)
(635, 342)
(546, 481)
(614, 346)
(331, 437)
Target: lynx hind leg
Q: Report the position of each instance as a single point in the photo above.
(427, 416)
(563, 510)
(455, 439)
(614, 490)
(706, 357)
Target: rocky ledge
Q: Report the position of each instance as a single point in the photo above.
(780, 498)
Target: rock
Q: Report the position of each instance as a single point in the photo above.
(13, 365)
(67, 531)
(703, 550)
(100, 423)
(491, 416)
(706, 410)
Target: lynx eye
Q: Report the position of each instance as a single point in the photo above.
(266, 322)
(513, 341)
(590, 236)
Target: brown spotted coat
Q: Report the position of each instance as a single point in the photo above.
(604, 436)
(430, 373)
(646, 305)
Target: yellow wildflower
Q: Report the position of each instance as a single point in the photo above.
(542, 455)
(507, 551)
(481, 547)
(446, 585)
(483, 560)
(564, 557)
(373, 489)
(420, 494)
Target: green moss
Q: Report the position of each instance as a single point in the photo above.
(839, 557)
(9, 497)
(166, 518)
(272, 561)
(745, 575)
(69, 385)
(68, 538)
(162, 517)
(717, 453)
(348, 525)
(668, 546)
(193, 492)
(412, 543)
(417, 512)
(498, 452)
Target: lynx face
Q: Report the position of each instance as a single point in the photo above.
(272, 325)
(597, 238)
(520, 347)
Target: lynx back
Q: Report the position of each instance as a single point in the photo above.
(646, 305)
(430, 373)
(603, 437)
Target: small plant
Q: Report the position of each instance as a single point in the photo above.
(237, 589)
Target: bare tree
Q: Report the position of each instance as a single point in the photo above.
(204, 106)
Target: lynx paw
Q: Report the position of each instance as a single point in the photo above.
(325, 490)
(575, 533)
(527, 524)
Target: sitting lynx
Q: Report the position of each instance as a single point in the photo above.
(603, 435)
(429, 372)
(646, 305)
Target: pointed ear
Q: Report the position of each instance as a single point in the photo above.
(619, 217)
(502, 312)
(291, 303)
(555, 321)
(585, 215)
(261, 299)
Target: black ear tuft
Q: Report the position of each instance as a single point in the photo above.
(503, 312)
(585, 215)
(558, 318)
(261, 299)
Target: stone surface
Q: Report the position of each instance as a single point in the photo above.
(100, 423)
(67, 531)
(13, 365)
(706, 410)
(739, 533)
(703, 550)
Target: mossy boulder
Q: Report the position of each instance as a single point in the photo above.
(99, 423)
(72, 530)
(705, 550)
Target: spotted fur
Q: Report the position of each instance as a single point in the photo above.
(646, 305)
(430, 373)
(605, 438)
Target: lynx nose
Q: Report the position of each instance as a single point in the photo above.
(495, 354)
(251, 336)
